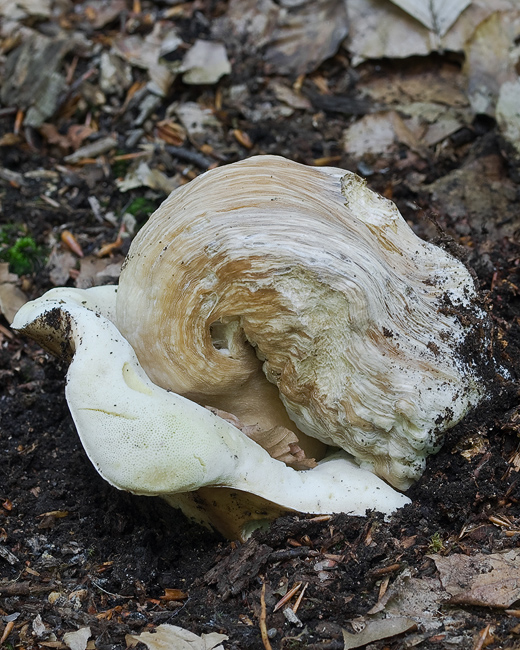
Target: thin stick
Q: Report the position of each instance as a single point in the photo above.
(287, 596)
(263, 615)
(482, 637)
(297, 603)
(7, 631)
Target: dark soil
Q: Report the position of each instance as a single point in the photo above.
(79, 553)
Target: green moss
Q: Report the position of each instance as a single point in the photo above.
(141, 207)
(20, 250)
(120, 167)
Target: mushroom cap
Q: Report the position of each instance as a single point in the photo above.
(267, 283)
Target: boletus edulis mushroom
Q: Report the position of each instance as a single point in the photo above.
(280, 340)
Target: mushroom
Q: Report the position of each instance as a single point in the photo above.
(285, 298)
(267, 283)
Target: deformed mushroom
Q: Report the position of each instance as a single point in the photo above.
(294, 299)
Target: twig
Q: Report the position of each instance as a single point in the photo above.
(262, 623)
(300, 597)
(189, 156)
(24, 589)
(291, 553)
(482, 637)
(108, 592)
(287, 596)
(8, 111)
(383, 571)
(7, 631)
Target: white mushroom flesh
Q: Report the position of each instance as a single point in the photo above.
(147, 440)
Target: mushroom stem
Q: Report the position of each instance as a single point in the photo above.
(147, 440)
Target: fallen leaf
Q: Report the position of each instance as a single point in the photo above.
(11, 297)
(291, 37)
(143, 175)
(382, 29)
(96, 271)
(115, 74)
(379, 133)
(377, 629)
(491, 59)
(53, 136)
(59, 266)
(481, 580)
(77, 640)
(172, 637)
(470, 193)
(200, 123)
(173, 594)
(38, 626)
(436, 15)
(21, 9)
(76, 133)
(33, 78)
(443, 87)
(100, 13)
(306, 34)
(93, 149)
(9, 140)
(146, 53)
(508, 112)
(205, 63)
(290, 97)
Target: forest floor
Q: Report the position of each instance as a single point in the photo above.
(75, 184)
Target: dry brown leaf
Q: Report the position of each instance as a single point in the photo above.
(21, 9)
(77, 640)
(475, 191)
(491, 60)
(172, 637)
(481, 580)
(143, 175)
(289, 96)
(437, 15)
(9, 140)
(507, 113)
(59, 266)
(378, 629)
(11, 297)
(170, 132)
(173, 594)
(53, 136)
(96, 271)
(76, 133)
(292, 37)
(100, 13)
(445, 87)
(146, 53)
(375, 134)
(205, 63)
(381, 29)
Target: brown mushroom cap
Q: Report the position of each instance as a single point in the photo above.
(294, 296)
